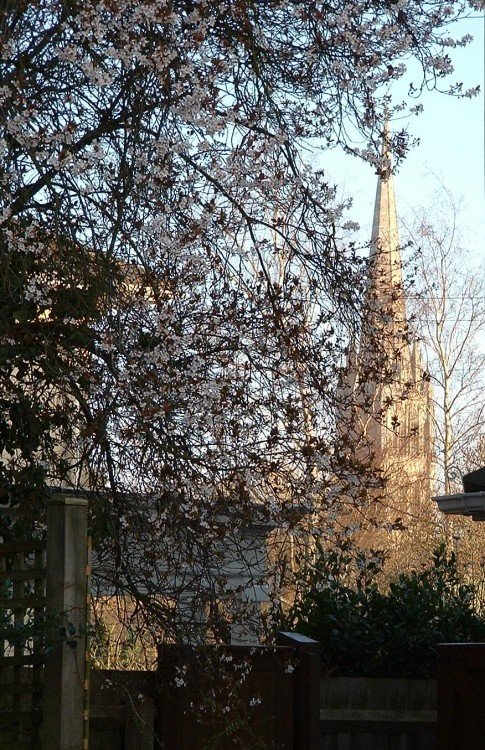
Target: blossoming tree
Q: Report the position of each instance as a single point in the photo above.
(176, 298)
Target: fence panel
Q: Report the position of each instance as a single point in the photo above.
(461, 696)
(186, 703)
(256, 709)
(122, 710)
(377, 714)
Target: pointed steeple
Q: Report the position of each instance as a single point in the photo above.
(386, 411)
(385, 272)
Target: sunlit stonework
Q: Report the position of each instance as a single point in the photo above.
(393, 406)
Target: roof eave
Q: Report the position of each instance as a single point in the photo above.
(463, 504)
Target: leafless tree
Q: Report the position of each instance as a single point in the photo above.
(449, 309)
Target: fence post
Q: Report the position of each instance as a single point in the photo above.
(307, 689)
(66, 599)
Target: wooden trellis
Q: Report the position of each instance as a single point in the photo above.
(43, 596)
(22, 609)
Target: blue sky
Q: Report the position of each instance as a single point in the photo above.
(451, 134)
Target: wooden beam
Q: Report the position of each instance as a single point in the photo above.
(65, 663)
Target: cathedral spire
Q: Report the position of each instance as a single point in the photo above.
(387, 403)
(385, 273)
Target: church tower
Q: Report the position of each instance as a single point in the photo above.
(392, 394)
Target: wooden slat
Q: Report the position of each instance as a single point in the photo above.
(29, 574)
(25, 688)
(38, 669)
(373, 693)
(21, 546)
(375, 715)
(25, 718)
(13, 661)
(3, 565)
(18, 703)
(87, 686)
(26, 602)
(101, 711)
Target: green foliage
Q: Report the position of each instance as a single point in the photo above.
(365, 632)
(37, 629)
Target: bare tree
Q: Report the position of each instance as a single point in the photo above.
(449, 310)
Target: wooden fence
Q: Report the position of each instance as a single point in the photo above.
(276, 705)
(134, 710)
(461, 696)
(43, 611)
(377, 714)
(122, 710)
(43, 692)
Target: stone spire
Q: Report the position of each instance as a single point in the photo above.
(385, 273)
(385, 325)
(387, 402)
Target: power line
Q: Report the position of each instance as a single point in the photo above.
(446, 297)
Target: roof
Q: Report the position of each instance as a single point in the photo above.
(463, 504)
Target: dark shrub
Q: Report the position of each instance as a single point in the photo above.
(367, 633)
